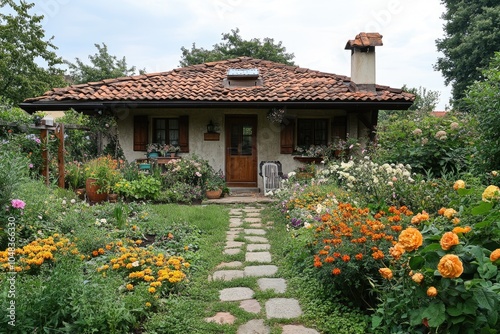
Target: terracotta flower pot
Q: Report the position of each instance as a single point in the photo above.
(113, 198)
(93, 193)
(213, 194)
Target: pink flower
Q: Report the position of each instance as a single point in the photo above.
(18, 204)
(198, 174)
(31, 165)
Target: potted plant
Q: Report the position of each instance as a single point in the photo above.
(172, 149)
(100, 173)
(214, 186)
(153, 150)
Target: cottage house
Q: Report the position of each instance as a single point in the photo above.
(220, 110)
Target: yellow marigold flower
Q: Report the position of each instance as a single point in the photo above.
(450, 266)
(18, 269)
(459, 184)
(449, 213)
(491, 192)
(130, 287)
(448, 240)
(116, 266)
(455, 220)
(186, 264)
(155, 284)
(152, 290)
(417, 278)
(385, 273)
(148, 304)
(129, 266)
(432, 291)
(410, 239)
(495, 255)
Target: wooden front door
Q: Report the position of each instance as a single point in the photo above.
(241, 151)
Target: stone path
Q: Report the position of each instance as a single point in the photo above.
(246, 224)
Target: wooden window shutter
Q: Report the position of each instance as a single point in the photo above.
(184, 133)
(140, 133)
(339, 127)
(287, 137)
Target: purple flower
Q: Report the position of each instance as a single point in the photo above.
(30, 165)
(296, 222)
(37, 140)
(18, 204)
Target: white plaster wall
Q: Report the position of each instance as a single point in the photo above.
(268, 134)
(363, 67)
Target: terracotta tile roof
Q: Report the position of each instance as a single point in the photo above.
(204, 82)
(365, 39)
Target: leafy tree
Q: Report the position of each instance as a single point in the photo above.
(103, 66)
(472, 35)
(233, 46)
(483, 98)
(425, 102)
(22, 48)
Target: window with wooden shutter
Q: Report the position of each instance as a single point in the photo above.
(140, 133)
(287, 136)
(184, 133)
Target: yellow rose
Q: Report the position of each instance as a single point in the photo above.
(491, 192)
(449, 213)
(450, 266)
(417, 278)
(410, 239)
(432, 292)
(385, 273)
(448, 240)
(459, 185)
(495, 255)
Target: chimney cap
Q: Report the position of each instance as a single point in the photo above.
(363, 40)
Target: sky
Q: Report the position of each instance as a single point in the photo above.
(150, 33)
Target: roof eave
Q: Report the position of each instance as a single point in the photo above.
(94, 107)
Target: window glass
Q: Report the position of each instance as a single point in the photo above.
(166, 131)
(312, 132)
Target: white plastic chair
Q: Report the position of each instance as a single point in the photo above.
(271, 177)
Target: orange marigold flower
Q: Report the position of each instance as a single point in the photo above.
(432, 291)
(170, 236)
(385, 273)
(336, 254)
(359, 257)
(396, 228)
(152, 290)
(448, 240)
(346, 258)
(455, 220)
(495, 255)
(108, 247)
(130, 287)
(441, 211)
(410, 239)
(95, 253)
(323, 252)
(450, 266)
(336, 271)
(417, 278)
(329, 259)
(326, 217)
(420, 217)
(378, 255)
(101, 251)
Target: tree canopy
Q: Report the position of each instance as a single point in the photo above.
(233, 46)
(103, 66)
(483, 98)
(22, 48)
(472, 35)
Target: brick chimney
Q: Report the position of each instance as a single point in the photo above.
(363, 59)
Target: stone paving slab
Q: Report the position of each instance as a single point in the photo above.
(260, 271)
(256, 239)
(253, 214)
(256, 225)
(298, 329)
(253, 220)
(252, 209)
(283, 308)
(227, 275)
(235, 224)
(278, 285)
(222, 318)
(235, 212)
(254, 327)
(235, 294)
(261, 257)
(235, 220)
(231, 251)
(258, 247)
(250, 305)
(234, 244)
(254, 231)
(233, 264)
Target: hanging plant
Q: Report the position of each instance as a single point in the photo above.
(276, 115)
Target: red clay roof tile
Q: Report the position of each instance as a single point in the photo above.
(203, 82)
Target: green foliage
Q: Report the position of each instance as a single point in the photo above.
(103, 66)
(145, 187)
(483, 99)
(13, 172)
(234, 46)
(471, 38)
(427, 143)
(80, 145)
(23, 48)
